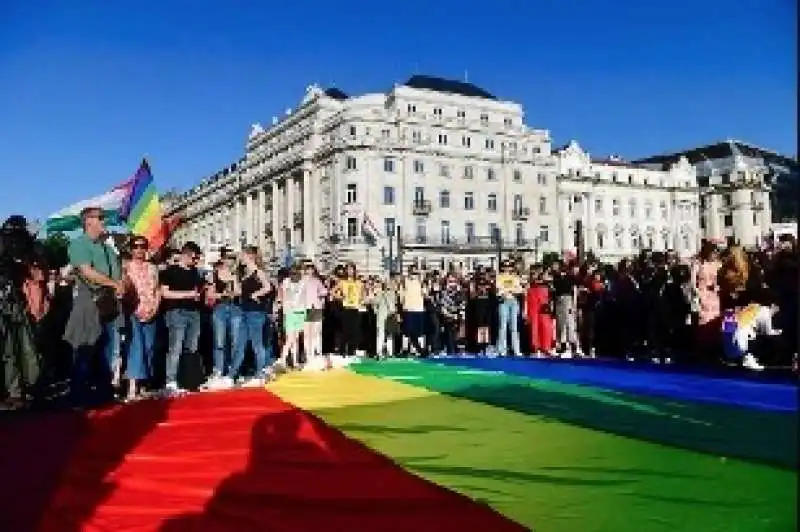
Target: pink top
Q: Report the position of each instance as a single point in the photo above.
(144, 279)
(315, 293)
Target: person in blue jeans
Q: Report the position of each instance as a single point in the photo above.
(181, 292)
(255, 290)
(92, 328)
(144, 298)
(226, 321)
(509, 286)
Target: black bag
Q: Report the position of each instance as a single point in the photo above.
(191, 372)
(108, 306)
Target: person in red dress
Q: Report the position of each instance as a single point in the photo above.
(538, 313)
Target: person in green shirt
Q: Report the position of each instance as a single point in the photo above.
(98, 269)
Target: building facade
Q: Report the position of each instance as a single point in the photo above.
(436, 172)
(625, 207)
(736, 183)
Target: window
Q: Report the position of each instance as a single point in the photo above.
(445, 230)
(444, 199)
(444, 170)
(489, 144)
(350, 163)
(469, 232)
(632, 208)
(517, 202)
(598, 205)
(630, 179)
(601, 238)
(389, 224)
(508, 122)
(541, 179)
(352, 131)
(352, 227)
(536, 149)
(490, 175)
(517, 175)
(544, 234)
(385, 133)
(466, 142)
(618, 238)
(421, 230)
(461, 114)
(542, 205)
(388, 195)
(467, 172)
(437, 112)
(469, 201)
(494, 232)
(418, 167)
(442, 139)
(484, 119)
(388, 164)
(491, 202)
(412, 108)
(519, 234)
(351, 193)
(664, 210)
(728, 220)
(648, 209)
(419, 195)
(615, 207)
(416, 137)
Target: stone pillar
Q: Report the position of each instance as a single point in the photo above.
(249, 214)
(237, 223)
(290, 208)
(277, 234)
(589, 236)
(261, 219)
(564, 217)
(310, 209)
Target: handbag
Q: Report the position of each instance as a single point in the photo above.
(108, 306)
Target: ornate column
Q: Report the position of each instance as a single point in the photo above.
(564, 217)
(261, 219)
(290, 208)
(249, 229)
(310, 209)
(237, 223)
(277, 233)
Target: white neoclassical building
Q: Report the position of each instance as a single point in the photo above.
(736, 183)
(440, 169)
(625, 207)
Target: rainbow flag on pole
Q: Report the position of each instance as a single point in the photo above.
(141, 208)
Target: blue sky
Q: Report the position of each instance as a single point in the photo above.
(88, 87)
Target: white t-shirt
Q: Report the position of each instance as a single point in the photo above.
(293, 296)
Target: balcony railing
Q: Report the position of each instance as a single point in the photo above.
(421, 207)
(520, 213)
(473, 243)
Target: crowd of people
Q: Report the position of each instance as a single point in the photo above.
(125, 324)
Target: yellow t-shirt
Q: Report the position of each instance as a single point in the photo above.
(351, 293)
(413, 298)
(508, 285)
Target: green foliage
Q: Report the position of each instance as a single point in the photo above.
(56, 248)
(549, 258)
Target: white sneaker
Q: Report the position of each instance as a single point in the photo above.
(173, 390)
(252, 382)
(750, 362)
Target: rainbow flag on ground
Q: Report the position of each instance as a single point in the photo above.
(446, 444)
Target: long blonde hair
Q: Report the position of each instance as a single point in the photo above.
(735, 269)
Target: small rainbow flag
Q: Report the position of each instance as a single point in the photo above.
(141, 209)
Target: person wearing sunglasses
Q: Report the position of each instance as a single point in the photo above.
(181, 294)
(93, 325)
(143, 298)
